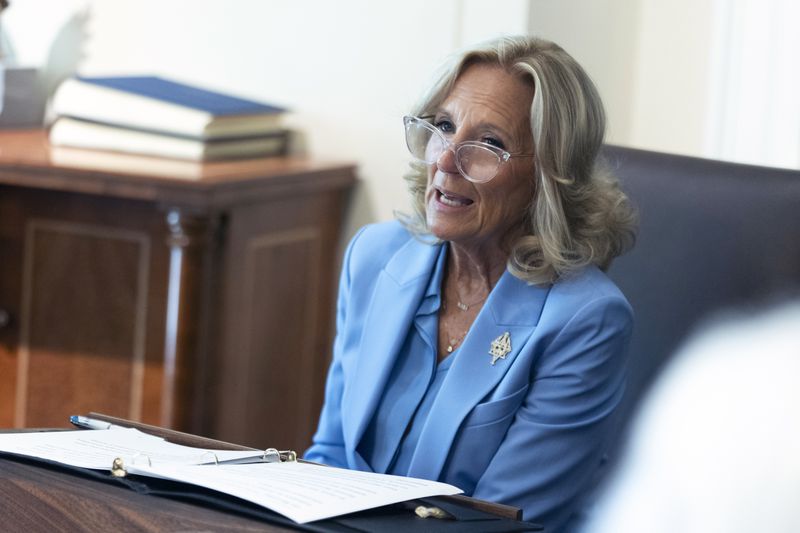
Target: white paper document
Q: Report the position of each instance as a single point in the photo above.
(97, 449)
(302, 492)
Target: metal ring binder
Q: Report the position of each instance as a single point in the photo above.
(138, 455)
(271, 455)
(118, 465)
(288, 455)
(214, 455)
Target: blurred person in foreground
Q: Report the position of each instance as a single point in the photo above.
(479, 342)
(716, 447)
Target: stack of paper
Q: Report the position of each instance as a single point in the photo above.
(302, 492)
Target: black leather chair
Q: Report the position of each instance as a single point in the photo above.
(712, 236)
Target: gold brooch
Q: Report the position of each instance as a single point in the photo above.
(500, 347)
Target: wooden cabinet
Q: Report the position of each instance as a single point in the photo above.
(197, 297)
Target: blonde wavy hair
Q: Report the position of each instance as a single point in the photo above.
(579, 215)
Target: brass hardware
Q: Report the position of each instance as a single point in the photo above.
(118, 468)
(430, 512)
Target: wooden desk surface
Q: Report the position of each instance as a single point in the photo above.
(36, 498)
(27, 159)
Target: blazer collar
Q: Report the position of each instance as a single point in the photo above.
(513, 307)
(397, 294)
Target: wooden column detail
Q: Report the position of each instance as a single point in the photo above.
(186, 238)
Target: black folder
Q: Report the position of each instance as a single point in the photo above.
(400, 518)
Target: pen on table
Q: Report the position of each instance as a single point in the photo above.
(92, 423)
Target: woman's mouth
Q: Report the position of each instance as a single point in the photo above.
(451, 199)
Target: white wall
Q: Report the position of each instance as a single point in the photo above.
(673, 76)
(350, 69)
(348, 83)
(754, 109)
(650, 60)
(602, 35)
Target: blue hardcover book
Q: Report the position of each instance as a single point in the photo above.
(183, 95)
(155, 104)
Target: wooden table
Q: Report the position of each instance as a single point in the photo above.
(35, 497)
(193, 296)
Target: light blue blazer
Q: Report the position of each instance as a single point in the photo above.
(531, 430)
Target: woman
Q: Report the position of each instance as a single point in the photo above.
(479, 343)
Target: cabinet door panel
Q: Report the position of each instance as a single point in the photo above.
(11, 252)
(277, 310)
(84, 280)
(84, 299)
(281, 337)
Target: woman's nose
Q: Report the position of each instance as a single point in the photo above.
(447, 160)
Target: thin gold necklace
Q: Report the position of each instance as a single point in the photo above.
(465, 306)
(454, 342)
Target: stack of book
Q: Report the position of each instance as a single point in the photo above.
(149, 115)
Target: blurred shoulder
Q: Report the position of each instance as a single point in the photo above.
(383, 234)
(589, 287)
(589, 282)
(375, 244)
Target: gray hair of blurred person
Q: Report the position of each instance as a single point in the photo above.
(579, 215)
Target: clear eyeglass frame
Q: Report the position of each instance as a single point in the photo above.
(477, 161)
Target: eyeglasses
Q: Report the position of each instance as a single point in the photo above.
(477, 161)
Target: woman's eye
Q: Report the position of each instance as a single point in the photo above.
(494, 142)
(445, 126)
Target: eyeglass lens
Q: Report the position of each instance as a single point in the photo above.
(427, 145)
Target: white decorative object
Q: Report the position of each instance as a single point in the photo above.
(22, 99)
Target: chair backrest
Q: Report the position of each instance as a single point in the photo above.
(713, 235)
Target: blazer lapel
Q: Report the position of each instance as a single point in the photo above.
(396, 297)
(513, 307)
